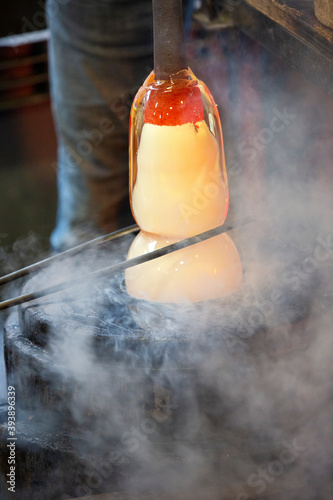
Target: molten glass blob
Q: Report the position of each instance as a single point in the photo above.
(206, 270)
(179, 188)
(178, 181)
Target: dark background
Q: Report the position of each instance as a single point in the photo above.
(13, 16)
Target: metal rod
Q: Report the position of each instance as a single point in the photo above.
(168, 38)
(68, 253)
(121, 266)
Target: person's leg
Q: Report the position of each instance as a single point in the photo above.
(100, 52)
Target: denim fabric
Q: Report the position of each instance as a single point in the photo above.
(100, 52)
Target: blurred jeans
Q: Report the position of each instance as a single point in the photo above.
(100, 52)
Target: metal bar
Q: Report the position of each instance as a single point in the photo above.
(168, 38)
(121, 266)
(25, 38)
(68, 253)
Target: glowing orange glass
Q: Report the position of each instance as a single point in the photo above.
(178, 188)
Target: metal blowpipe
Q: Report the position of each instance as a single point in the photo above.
(67, 253)
(121, 266)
